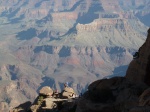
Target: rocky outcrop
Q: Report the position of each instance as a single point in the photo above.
(68, 93)
(105, 25)
(48, 57)
(57, 17)
(111, 95)
(139, 68)
(50, 101)
(46, 91)
(129, 94)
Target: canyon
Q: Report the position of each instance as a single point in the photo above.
(50, 42)
(129, 93)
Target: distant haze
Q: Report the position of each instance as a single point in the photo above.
(50, 42)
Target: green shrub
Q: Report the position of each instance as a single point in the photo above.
(40, 99)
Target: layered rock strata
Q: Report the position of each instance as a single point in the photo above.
(129, 94)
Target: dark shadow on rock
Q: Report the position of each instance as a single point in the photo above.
(13, 72)
(25, 106)
(12, 14)
(39, 3)
(72, 30)
(88, 17)
(47, 81)
(74, 6)
(45, 19)
(101, 95)
(141, 7)
(54, 38)
(115, 50)
(43, 34)
(46, 48)
(27, 35)
(64, 52)
(17, 20)
(147, 76)
(145, 19)
(26, 2)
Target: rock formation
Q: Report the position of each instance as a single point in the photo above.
(139, 69)
(55, 41)
(68, 93)
(46, 91)
(130, 93)
(50, 101)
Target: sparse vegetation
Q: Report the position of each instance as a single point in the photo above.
(40, 99)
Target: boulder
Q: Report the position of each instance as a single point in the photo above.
(50, 103)
(68, 92)
(69, 89)
(46, 91)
